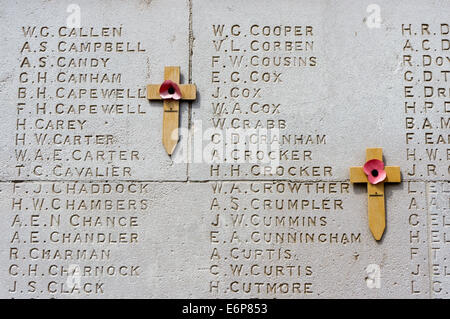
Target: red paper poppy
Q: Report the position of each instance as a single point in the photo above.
(374, 169)
(169, 90)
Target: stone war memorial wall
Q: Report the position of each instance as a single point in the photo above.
(257, 199)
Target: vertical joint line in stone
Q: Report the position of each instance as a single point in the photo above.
(189, 124)
(430, 262)
(191, 40)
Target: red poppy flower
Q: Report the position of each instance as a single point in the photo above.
(374, 169)
(169, 90)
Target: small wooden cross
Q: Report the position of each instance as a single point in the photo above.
(377, 214)
(171, 106)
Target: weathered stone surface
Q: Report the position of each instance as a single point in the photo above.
(350, 88)
(438, 207)
(98, 60)
(207, 238)
(330, 249)
(101, 240)
(94, 208)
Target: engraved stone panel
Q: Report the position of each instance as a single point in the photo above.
(77, 106)
(71, 239)
(312, 240)
(438, 207)
(256, 201)
(318, 77)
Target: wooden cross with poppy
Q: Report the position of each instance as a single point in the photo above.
(375, 174)
(171, 92)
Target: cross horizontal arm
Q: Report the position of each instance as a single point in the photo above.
(357, 175)
(393, 174)
(188, 92)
